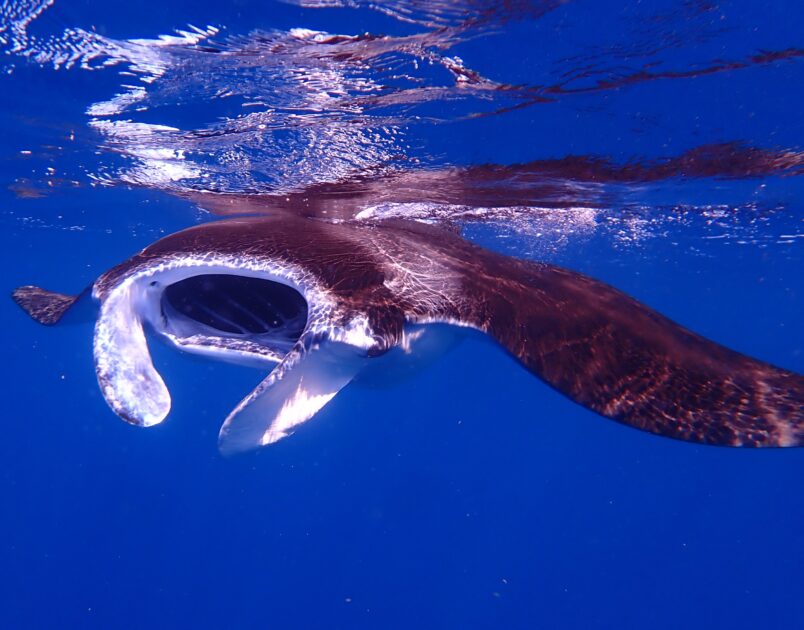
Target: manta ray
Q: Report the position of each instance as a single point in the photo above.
(317, 304)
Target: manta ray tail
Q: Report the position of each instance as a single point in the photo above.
(614, 355)
(46, 307)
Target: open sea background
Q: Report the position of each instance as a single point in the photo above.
(655, 145)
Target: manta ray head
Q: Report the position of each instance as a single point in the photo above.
(216, 310)
(247, 311)
(268, 293)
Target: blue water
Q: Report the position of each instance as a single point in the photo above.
(472, 495)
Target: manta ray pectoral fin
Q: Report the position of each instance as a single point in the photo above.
(130, 384)
(305, 381)
(616, 356)
(46, 307)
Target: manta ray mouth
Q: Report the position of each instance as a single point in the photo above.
(248, 317)
(232, 306)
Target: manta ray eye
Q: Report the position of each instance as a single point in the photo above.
(239, 305)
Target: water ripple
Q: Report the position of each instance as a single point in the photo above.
(332, 125)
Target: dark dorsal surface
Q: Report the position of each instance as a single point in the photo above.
(612, 354)
(46, 307)
(616, 356)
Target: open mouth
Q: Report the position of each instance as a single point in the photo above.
(227, 306)
(238, 318)
(227, 312)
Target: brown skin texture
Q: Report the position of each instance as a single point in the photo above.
(44, 306)
(593, 343)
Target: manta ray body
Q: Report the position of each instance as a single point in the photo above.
(318, 303)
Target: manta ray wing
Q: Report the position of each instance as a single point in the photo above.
(598, 346)
(614, 355)
(46, 307)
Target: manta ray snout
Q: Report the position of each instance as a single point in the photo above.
(261, 311)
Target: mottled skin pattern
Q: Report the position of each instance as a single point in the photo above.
(593, 343)
(46, 307)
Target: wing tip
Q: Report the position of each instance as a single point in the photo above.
(43, 306)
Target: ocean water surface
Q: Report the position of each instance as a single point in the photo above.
(657, 146)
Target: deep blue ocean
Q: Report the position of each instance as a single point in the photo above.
(656, 145)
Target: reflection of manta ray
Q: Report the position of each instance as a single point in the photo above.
(325, 301)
